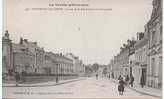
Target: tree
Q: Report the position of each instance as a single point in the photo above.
(95, 67)
(105, 71)
(88, 70)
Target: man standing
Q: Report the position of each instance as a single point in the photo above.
(17, 78)
(96, 76)
(131, 80)
(127, 79)
(142, 82)
(121, 86)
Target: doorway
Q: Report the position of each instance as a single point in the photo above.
(143, 76)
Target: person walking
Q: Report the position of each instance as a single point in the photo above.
(23, 76)
(57, 79)
(142, 82)
(109, 76)
(17, 78)
(112, 75)
(131, 80)
(127, 79)
(96, 76)
(121, 86)
(119, 78)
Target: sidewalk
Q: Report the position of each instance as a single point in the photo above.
(148, 91)
(145, 90)
(49, 83)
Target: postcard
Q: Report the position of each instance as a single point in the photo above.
(82, 49)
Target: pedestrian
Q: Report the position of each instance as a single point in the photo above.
(109, 76)
(56, 79)
(113, 75)
(142, 82)
(23, 75)
(127, 79)
(121, 86)
(119, 78)
(17, 78)
(131, 80)
(96, 76)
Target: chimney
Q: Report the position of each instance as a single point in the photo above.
(140, 35)
(26, 40)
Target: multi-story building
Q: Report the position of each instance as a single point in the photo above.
(58, 65)
(154, 26)
(38, 52)
(49, 64)
(131, 44)
(124, 60)
(23, 59)
(141, 63)
(7, 63)
(116, 66)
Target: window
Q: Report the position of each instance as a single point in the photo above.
(160, 70)
(160, 34)
(152, 65)
(153, 38)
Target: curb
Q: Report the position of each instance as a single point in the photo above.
(144, 92)
(140, 91)
(45, 85)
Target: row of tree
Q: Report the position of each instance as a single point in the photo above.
(90, 69)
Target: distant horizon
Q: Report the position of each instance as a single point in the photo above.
(94, 37)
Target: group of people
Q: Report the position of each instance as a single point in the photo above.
(122, 82)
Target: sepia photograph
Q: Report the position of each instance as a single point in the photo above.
(82, 49)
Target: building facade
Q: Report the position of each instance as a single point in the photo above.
(23, 59)
(154, 26)
(78, 66)
(58, 65)
(38, 53)
(124, 60)
(141, 59)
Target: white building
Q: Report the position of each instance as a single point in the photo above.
(78, 67)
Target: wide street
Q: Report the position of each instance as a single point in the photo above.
(88, 88)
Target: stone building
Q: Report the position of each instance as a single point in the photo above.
(38, 52)
(7, 63)
(122, 63)
(131, 44)
(154, 26)
(124, 60)
(116, 71)
(78, 67)
(23, 59)
(58, 65)
(48, 63)
(141, 63)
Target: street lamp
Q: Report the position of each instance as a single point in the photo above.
(56, 73)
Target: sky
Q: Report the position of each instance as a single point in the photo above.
(94, 36)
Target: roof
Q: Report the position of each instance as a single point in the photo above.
(18, 48)
(141, 43)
